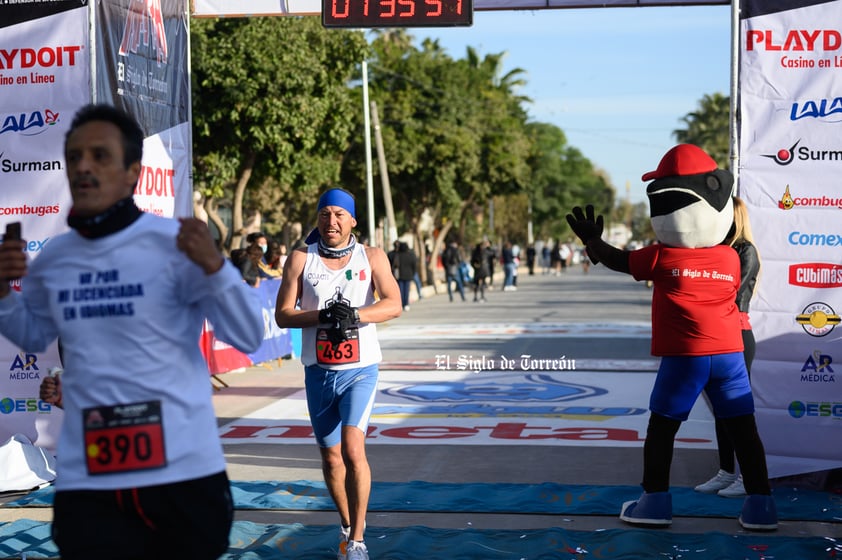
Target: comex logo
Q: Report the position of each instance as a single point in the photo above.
(818, 319)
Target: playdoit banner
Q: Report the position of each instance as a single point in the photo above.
(45, 77)
(791, 157)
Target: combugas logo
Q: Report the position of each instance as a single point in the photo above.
(788, 202)
(818, 319)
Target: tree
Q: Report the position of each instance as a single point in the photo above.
(272, 108)
(709, 127)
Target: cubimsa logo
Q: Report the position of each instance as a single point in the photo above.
(785, 156)
(818, 319)
(788, 202)
(28, 123)
(816, 275)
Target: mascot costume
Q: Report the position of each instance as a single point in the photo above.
(695, 326)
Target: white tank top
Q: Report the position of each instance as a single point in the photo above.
(319, 286)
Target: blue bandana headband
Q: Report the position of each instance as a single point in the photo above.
(333, 197)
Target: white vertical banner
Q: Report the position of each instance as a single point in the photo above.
(142, 67)
(791, 157)
(46, 75)
(44, 79)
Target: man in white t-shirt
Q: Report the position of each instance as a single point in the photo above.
(328, 290)
(140, 464)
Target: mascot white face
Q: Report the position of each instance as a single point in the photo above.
(690, 199)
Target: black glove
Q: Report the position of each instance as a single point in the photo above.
(339, 311)
(586, 226)
(335, 336)
(341, 317)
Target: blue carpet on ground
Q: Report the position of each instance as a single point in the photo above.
(793, 504)
(253, 541)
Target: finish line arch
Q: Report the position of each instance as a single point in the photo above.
(784, 152)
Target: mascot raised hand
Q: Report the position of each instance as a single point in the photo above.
(695, 326)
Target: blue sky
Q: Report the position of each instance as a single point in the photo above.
(617, 81)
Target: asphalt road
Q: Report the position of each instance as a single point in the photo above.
(599, 319)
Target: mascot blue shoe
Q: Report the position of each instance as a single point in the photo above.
(652, 508)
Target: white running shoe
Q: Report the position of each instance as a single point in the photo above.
(734, 490)
(719, 482)
(357, 551)
(344, 535)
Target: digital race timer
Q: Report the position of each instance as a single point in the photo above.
(397, 13)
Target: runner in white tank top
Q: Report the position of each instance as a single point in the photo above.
(328, 290)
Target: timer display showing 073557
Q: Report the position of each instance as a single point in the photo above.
(397, 13)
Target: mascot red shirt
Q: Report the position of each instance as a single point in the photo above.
(695, 279)
(694, 295)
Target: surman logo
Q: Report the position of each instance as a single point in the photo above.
(784, 156)
(145, 23)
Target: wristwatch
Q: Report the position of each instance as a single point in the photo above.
(356, 315)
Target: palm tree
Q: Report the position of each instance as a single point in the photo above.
(709, 128)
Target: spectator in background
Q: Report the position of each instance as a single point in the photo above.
(282, 259)
(728, 482)
(491, 258)
(393, 258)
(406, 264)
(546, 259)
(508, 259)
(530, 259)
(270, 264)
(258, 238)
(555, 259)
(451, 260)
(479, 261)
(169, 498)
(247, 262)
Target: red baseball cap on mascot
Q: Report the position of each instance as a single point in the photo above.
(683, 159)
